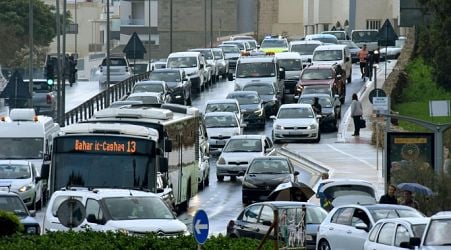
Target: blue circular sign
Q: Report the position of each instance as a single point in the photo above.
(200, 226)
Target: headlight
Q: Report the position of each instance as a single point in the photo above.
(32, 230)
(308, 237)
(299, 88)
(279, 126)
(312, 126)
(25, 188)
(186, 233)
(221, 161)
(259, 112)
(123, 231)
(248, 184)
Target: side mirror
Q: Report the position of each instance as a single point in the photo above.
(336, 96)
(45, 169)
(167, 145)
(415, 242)
(37, 179)
(296, 173)
(362, 226)
(91, 218)
(205, 158)
(272, 117)
(258, 46)
(230, 77)
(160, 190)
(184, 79)
(163, 165)
(243, 125)
(319, 116)
(309, 60)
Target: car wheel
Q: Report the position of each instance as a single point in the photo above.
(319, 137)
(201, 184)
(233, 178)
(220, 177)
(274, 140)
(323, 245)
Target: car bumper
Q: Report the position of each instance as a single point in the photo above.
(231, 170)
(114, 78)
(256, 194)
(45, 110)
(304, 134)
(217, 144)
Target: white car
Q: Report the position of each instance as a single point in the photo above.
(224, 105)
(21, 177)
(221, 62)
(392, 234)
(118, 210)
(147, 98)
(220, 127)
(239, 151)
(119, 70)
(296, 122)
(436, 236)
(346, 227)
(159, 87)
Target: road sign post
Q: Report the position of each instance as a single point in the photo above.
(200, 227)
(71, 213)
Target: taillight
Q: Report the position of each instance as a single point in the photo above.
(49, 99)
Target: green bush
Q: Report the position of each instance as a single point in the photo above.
(9, 224)
(97, 241)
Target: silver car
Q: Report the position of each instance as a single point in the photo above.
(220, 127)
(239, 152)
(21, 177)
(221, 62)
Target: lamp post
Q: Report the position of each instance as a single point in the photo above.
(211, 23)
(107, 97)
(30, 30)
(170, 26)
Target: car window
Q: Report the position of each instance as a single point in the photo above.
(264, 166)
(221, 107)
(268, 143)
(243, 145)
(158, 88)
(290, 64)
(221, 121)
(13, 204)
(115, 62)
(217, 54)
(386, 234)
(343, 216)
(327, 55)
(317, 74)
(402, 235)
(418, 230)
(373, 233)
(260, 89)
(304, 49)
(295, 113)
(15, 171)
(93, 208)
(384, 213)
(438, 233)
(60, 199)
(267, 214)
(251, 214)
(360, 216)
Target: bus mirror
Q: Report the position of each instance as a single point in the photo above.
(167, 145)
(47, 157)
(163, 165)
(45, 171)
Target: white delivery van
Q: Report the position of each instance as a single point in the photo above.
(334, 55)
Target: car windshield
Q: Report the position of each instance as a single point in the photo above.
(316, 90)
(274, 43)
(14, 171)
(145, 99)
(295, 113)
(221, 121)
(339, 35)
(290, 64)
(264, 69)
(21, 148)
(115, 62)
(230, 49)
(218, 54)
(239, 44)
(364, 36)
(317, 74)
(41, 86)
(158, 88)
(315, 215)
(304, 49)
(325, 102)
(350, 44)
(182, 62)
(139, 68)
(384, 213)
(243, 145)
(13, 204)
(438, 233)
(206, 53)
(221, 107)
(326, 39)
(165, 76)
(327, 55)
(244, 99)
(260, 89)
(266, 166)
(137, 208)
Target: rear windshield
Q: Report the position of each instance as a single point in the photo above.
(304, 49)
(290, 64)
(115, 62)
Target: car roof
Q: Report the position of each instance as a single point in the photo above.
(288, 55)
(330, 46)
(257, 58)
(410, 220)
(227, 45)
(104, 192)
(21, 162)
(295, 105)
(241, 93)
(247, 137)
(319, 66)
(167, 70)
(220, 114)
(185, 53)
(316, 95)
(264, 83)
(287, 203)
(200, 49)
(221, 101)
(270, 157)
(311, 36)
(377, 206)
(151, 82)
(306, 42)
(156, 94)
(442, 215)
(6, 193)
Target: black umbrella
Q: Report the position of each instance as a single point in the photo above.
(415, 188)
(291, 191)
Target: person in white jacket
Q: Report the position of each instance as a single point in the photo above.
(356, 113)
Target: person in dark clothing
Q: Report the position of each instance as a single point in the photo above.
(316, 106)
(389, 197)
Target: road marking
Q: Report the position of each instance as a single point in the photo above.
(342, 152)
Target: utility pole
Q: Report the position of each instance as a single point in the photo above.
(150, 30)
(107, 98)
(170, 26)
(63, 58)
(58, 62)
(30, 40)
(205, 23)
(211, 23)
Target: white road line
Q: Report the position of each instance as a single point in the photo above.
(353, 157)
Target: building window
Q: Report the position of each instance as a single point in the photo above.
(373, 24)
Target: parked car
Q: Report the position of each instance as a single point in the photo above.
(21, 177)
(270, 96)
(221, 62)
(296, 122)
(178, 83)
(255, 220)
(239, 152)
(119, 69)
(118, 210)
(346, 227)
(220, 127)
(330, 109)
(159, 87)
(11, 202)
(147, 98)
(264, 174)
(392, 234)
(251, 106)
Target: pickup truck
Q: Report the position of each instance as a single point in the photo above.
(44, 98)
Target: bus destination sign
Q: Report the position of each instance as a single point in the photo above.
(106, 146)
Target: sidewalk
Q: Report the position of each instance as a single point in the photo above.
(349, 157)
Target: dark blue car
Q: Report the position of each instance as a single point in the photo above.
(11, 202)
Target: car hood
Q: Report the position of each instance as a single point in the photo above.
(314, 82)
(190, 70)
(149, 225)
(268, 98)
(267, 179)
(292, 75)
(172, 85)
(240, 156)
(329, 110)
(222, 131)
(231, 55)
(249, 107)
(338, 62)
(28, 220)
(353, 199)
(293, 122)
(241, 81)
(15, 183)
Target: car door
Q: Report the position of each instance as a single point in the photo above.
(248, 223)
(386, 236)
(264, 222)
(356, 237)
(402, 234)
(335, 231)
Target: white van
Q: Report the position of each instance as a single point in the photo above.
(194, 65)
(333, 55)
(305, 50)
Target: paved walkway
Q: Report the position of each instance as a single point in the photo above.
(349, 157)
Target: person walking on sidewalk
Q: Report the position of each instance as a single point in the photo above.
(363, 56)
(389, 197)
(356, 113)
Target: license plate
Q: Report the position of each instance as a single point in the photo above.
(296, 133)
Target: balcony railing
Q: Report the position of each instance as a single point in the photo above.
(132, 22)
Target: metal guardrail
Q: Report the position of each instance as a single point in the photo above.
(86, 110)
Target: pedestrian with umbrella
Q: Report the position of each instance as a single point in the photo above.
(410, 188)
(409, 200)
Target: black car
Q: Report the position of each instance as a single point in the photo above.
(252, 107)
(255, 220)
(268, 94)
(330, 109)
(177, 82)
(264, 174)
(11, 202)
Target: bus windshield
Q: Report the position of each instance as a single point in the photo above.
(21, 148)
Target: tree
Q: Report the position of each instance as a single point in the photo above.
(14, 27)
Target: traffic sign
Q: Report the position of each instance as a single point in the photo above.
(71, 213)
(380, 103)
(135, 48)
(200, 226)
(386, 35)
(376, 93)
